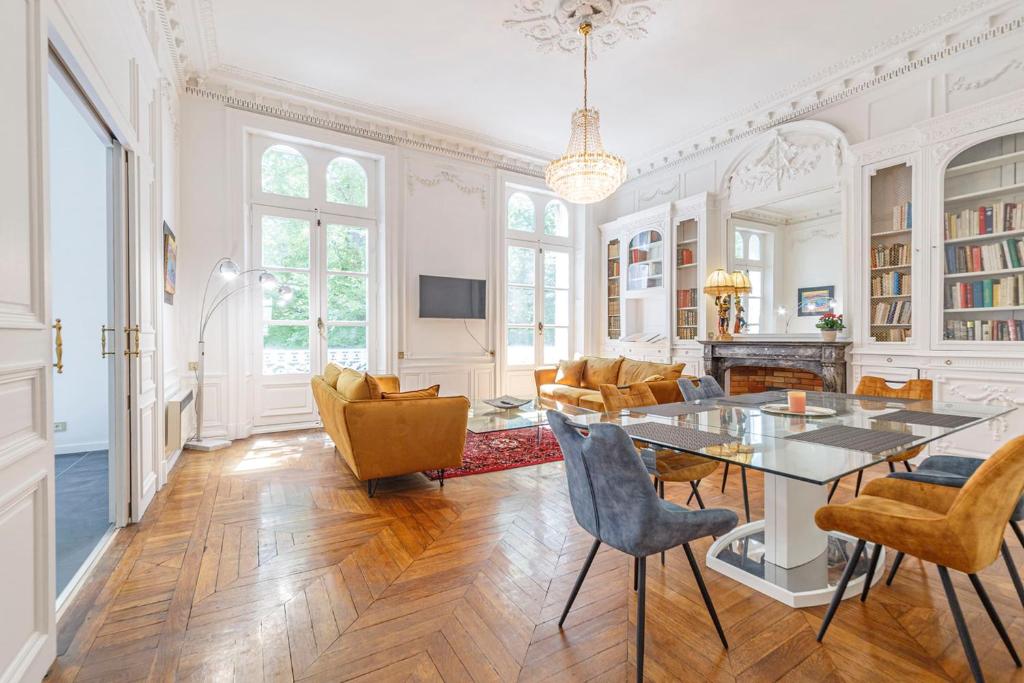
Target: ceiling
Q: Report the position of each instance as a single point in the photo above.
(452, 64)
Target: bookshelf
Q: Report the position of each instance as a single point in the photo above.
(891, 255)
(646, 261)
(983, 243)
(614, 267)
(687, 298)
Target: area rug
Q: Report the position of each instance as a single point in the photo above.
(505, 450)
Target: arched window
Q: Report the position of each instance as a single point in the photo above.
(346, 182)
(754, 247)
(738, 251)
(556, 219)
(284, 171)
(520, 213)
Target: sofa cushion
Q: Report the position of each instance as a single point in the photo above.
(565, 394)
(331, 372)
(570, 372)
(634, 396)
(373, 386)
(429, 392)
(632, 371)
(592, 401)
(600, 371)
(352, 385)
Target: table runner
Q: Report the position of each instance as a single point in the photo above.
(855, 438)
(674, 436)
(674, 409)
(918, 417)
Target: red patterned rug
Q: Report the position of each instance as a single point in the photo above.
(504, 451)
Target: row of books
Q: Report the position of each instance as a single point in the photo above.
(613, 249)
(686, 298)
(985, 330)
(901, 217)
(684, 256)
(897, 254)
(614, 268)
(979, 258)
(1005, 291)
(636, 254)
(613, 307)
(891, 334)
(893, 283)
(686, 332)
(613, 289)
(985, 220)
(688, 318)
(891, 313)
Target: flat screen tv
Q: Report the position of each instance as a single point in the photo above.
(452, 297)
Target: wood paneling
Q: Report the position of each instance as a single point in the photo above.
(268, 562)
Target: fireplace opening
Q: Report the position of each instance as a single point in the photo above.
(750, 380)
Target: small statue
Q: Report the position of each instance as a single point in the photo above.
(724, 303)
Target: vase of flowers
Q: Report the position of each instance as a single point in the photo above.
(830, 324)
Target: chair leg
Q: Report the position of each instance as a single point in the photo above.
(640, 618)
(440, 477)
(895, 566)
(841, 588)
(892, 466)
(661, 494)
(961, 625)
(860, 478)
(906, 463)
(1012, 569)
(725, 476)
(704, 594)
(832, 491)
(746, 496)
(994, 616)
(579, 581)
(696, 492)
(1018, 532)
(371, 487)
(875, 554)
(636, 573)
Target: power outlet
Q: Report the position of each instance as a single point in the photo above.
(60, 426)
(193, 365)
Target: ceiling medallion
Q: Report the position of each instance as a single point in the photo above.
(612, 21)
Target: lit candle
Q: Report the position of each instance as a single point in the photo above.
(797, 401)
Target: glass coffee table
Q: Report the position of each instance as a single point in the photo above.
(485, 418)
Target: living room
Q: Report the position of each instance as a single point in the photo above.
(401, 303)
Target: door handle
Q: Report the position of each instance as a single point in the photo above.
(540, 328)
(133, 332)
(320, 327)
(103, 341)
(58, 345)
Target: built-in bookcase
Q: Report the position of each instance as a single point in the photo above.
(983, 243)
(687, 300)
(891, 254)
(614, 266)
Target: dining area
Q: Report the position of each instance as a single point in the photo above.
(949, 511)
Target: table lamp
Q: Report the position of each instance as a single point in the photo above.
(720, 285)
(741, 284)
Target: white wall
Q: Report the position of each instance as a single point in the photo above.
(79, 263)
(811, 256)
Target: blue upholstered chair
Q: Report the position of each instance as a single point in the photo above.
(955, 470)
(613, 500)
(708, 387)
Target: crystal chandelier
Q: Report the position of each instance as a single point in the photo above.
(585, 173)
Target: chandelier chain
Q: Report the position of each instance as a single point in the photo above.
(585, 30)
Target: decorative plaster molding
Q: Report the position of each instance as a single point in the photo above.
(780, 161)
(880, 149)
(988, 114)
(447, 177)
(613, 20)
(992, 395)
(804, 236)
(659, 191)
(962, 84)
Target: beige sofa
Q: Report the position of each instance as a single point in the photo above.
(561, 384)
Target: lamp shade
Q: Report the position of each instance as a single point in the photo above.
(741, 282)
(719, 283)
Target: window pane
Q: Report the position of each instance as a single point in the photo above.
(754, 247)
(347, 347)
(346, 298)
(521, 266)
(520, 213)
(556, 269)
(285, 242)
(276, 307)
(738, 244)
(753, 314)
(346, 182)
(556, 307)
(756, 282)
(556, 219)
(284, 171)
(346, 248)
(520, 305)
(520, 346)
(285, 350)
(556, 344)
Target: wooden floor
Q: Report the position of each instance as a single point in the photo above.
(268, 562)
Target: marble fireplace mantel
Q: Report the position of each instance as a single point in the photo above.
(825, 359)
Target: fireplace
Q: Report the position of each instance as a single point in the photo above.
(751, 361)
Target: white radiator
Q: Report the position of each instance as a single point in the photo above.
(178, 428)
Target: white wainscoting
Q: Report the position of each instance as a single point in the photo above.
(472, 380)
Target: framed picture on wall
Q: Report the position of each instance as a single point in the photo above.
(813, 301)
(170, 264)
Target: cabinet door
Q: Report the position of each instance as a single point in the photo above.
(992, 388)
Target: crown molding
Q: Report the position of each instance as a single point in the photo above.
(953, 33)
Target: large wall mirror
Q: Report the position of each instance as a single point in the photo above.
(785, 223)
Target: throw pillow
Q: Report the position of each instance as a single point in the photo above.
(331, 373)
(352, 385)
(653, 378)
(633, 396)
(374, 387)
(429, 392)
(570, 372)
(600, 371)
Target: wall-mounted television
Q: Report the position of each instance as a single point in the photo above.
(452, 297)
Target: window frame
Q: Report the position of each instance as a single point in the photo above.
(764, 265)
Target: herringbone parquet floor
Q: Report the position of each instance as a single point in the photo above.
(268, 562)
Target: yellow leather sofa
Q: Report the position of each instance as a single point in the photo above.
(387, 437)
(578, 382)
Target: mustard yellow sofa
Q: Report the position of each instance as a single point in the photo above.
(387, 437)
(578, 382)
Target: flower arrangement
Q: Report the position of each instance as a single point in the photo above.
(831, 322)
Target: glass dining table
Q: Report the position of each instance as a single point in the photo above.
(785, 555)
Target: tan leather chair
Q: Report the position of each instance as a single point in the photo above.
(959, 529)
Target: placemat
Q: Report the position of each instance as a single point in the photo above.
(674, 409)
(675, 436)
(855, 438)
(918, 417)
(860, 397)
(754, 399)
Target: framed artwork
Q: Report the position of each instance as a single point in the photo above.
(813, 301)
(170, 264)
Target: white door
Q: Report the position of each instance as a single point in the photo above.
(537, 305)
(28, 628)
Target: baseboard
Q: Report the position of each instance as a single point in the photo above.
(169, 463)
(81, 447)
(290, 427)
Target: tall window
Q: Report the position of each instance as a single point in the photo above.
(315, 229)
(750, 255)
(538, 277)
